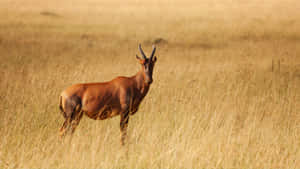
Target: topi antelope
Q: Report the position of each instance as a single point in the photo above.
(120, 96)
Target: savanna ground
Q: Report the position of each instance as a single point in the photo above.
(226, 88)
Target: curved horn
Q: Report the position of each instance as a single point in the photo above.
(142, 52)
(153, 51)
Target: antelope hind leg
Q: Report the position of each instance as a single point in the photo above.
(76, 121)
(65, 127)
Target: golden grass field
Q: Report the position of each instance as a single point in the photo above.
(226, 91)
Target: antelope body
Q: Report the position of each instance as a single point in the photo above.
(120, 96)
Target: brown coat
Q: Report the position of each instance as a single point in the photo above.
(99, 101)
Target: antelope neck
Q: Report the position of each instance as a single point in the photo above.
(140, 82)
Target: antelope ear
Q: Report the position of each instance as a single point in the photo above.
(154, 59)
(142, 61)
(138, 58)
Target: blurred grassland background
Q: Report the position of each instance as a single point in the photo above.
(226, 89)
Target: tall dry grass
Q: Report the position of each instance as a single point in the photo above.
(225, 92)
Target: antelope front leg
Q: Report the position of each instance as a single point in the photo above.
(123, 126)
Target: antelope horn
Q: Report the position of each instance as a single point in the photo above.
(141, 50)
(153, 51)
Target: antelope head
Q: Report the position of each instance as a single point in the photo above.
(147, 64)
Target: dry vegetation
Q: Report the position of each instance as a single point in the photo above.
(216, 100)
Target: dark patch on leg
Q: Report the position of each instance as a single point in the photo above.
(123, 126)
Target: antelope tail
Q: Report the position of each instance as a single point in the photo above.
(61, 107)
